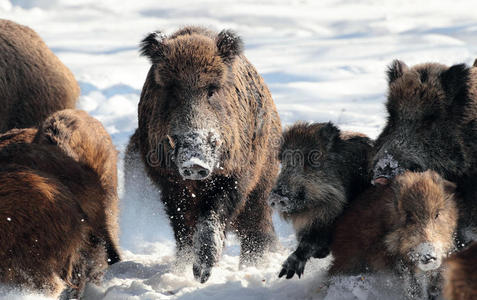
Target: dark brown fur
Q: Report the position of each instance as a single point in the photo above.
(461, 275)
(72, 150)
(84, 139)
(33, 82)
(49, 210)
(323, 169)
(432, 125)
(386, 224)
(196, 71)
(25, 135)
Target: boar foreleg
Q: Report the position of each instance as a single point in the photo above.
(314, 242)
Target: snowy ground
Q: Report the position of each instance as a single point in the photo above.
(323, 61)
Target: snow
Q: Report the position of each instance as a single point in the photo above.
(323, 61)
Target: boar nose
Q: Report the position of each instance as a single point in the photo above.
(195, 169)
(385, 169)
(428, 258)
(277, 201)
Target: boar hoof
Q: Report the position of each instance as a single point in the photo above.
(293, 265)
(201, 272)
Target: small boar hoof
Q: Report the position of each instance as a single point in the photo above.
(201, 273)
(293, 265)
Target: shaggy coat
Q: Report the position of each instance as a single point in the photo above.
(71, 162)
(406, 227)
(461, 275)
(33, 82)
(25, 135)
(84, 139)
(431, 124)
(48, 208)
(202, 91)
(323, 169)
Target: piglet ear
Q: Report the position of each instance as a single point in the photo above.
(229, 44)
(152, 46)
(475, 63)
(329, 134)
(395, 70)
(449, 187)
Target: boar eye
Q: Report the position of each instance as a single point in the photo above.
(437, 215)
(211, 89)
(301, 194)
(409, 218)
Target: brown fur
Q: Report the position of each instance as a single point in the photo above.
(461, 275)
(84, 138)
(431, 125)
(14, 136)
(33, 82)
(323, 170)
(328, 194)
(75, 161)
(195, 73)
(386, 222)
(49, 209)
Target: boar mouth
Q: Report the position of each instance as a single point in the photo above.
(381, 180)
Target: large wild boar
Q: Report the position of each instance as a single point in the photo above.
(461, 275)
(71, 162)
(84, 139)
(208, 135)
(431, 124)
(406, 227)
(323, 169)
(50, 214)
(33, 82)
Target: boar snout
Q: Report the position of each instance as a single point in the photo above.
(195, 169)
(388, 166)
(385, 169)
(196, 154)
(427, 257)
(279, 201)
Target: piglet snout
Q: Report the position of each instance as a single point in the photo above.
(427, 257)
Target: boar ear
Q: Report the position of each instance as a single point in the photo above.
(152, 46)
(229, 44)
(449, 187)
(454, 81)
(395, 70)
(475, 63)
(329, 134)
(434, 176)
